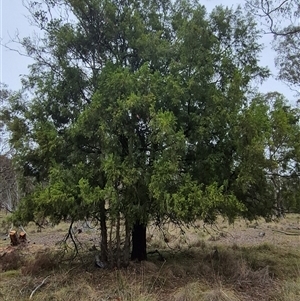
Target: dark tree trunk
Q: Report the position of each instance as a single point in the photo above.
(139, 249)
(118, 240)
(126, 250)
(103, 232)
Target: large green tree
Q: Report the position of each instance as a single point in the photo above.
(139, 111)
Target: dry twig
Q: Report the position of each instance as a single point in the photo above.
(40, 285)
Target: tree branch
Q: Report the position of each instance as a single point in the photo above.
(267, 11)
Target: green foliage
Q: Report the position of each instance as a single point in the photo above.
(145, 109)
(270, 133)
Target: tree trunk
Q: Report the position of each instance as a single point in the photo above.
(118, 240)
(110, 250)
(139, 248)
(103, 233)
(126, 250)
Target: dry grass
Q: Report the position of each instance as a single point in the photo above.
(196, 291)
(289, 290)
(193, 269)
(187, 276)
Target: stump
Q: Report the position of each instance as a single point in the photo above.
(22, 237)
(13, 238)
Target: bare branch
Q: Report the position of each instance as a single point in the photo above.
(15, 50)
(276, 8)
(268, 13)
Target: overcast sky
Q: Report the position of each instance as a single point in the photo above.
(13, 20)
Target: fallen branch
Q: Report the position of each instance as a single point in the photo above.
(286, 233)
(32, 293)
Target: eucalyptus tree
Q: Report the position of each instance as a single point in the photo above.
(134, 113)
(5, 94)
(281, 19)
(9, 192)
(267, 163)
(283, 152)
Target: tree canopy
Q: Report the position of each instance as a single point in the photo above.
(138, 111)
(281, 19)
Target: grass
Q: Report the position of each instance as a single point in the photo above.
(290, 290)
(254, 269)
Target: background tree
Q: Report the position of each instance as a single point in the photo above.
(9, 191)
(281, 19)
(4, 96)
(283, 152)
(270, 128)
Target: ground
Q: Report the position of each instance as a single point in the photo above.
(244, 261)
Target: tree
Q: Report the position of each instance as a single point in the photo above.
(9, 192)
(283, 152)
(135, 114)
(268, 134)
(280, 16)
(4, 95)
(281, 19)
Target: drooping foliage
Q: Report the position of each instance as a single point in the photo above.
(281, 19)
(143, 110)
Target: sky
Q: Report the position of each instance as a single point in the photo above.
(12, 65)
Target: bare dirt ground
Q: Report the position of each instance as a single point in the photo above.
(283, 232)
(50, 236)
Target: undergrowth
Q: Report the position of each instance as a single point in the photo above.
(195, 268)
(264, 272)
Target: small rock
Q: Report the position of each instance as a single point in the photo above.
(262, 234)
